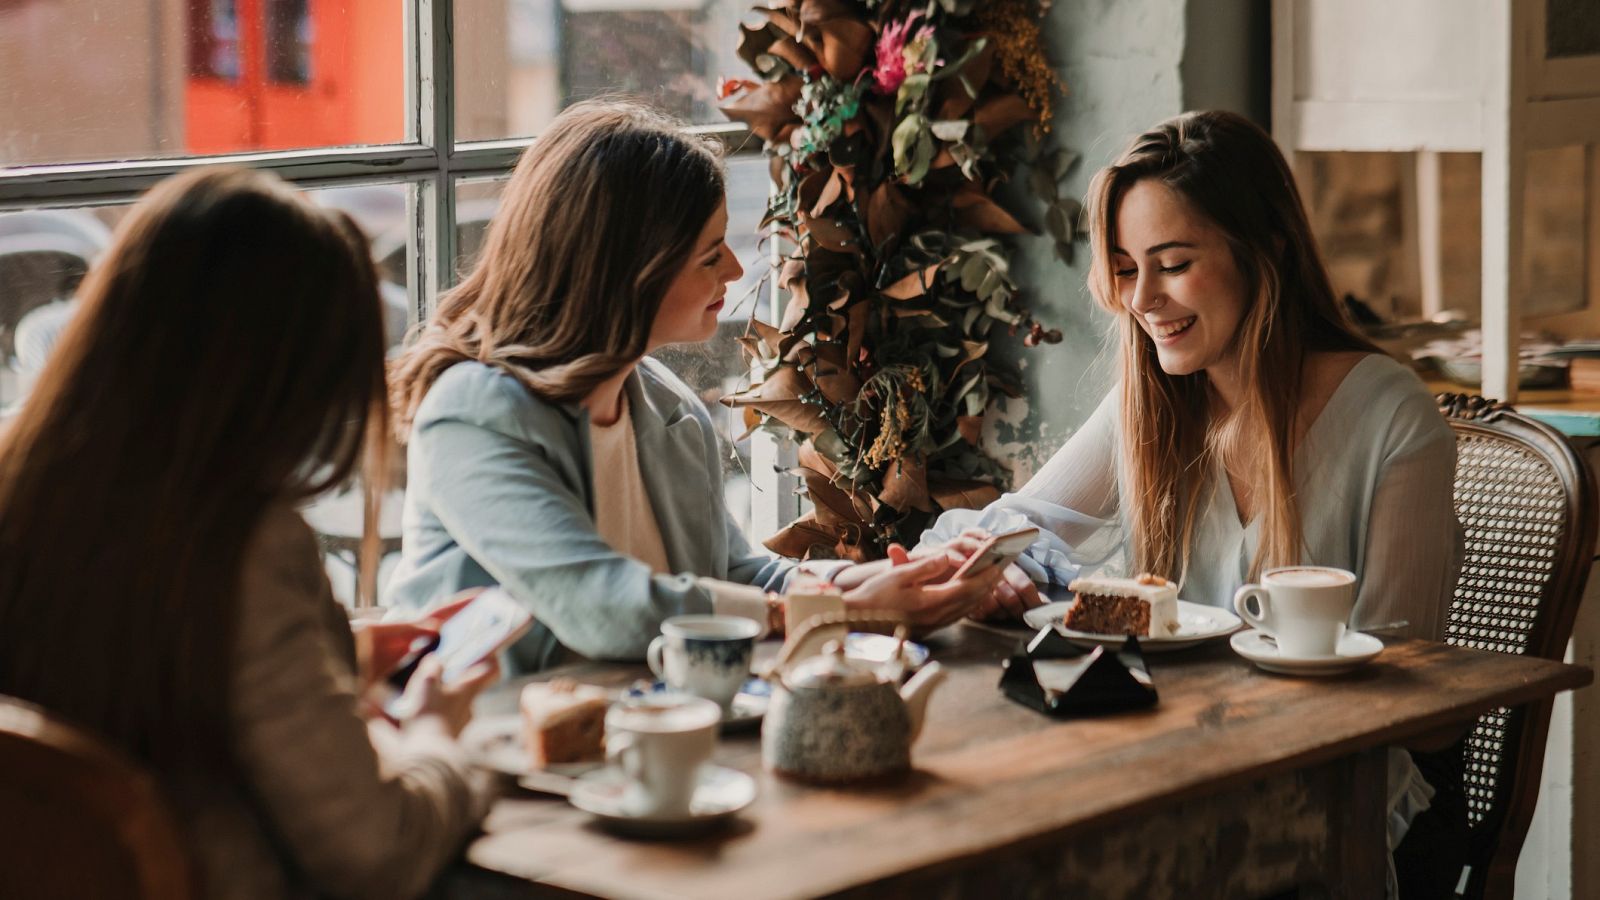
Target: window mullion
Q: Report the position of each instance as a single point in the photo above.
(434, 238)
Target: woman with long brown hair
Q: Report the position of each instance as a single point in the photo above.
(156, 584)
(1253, 426)
(548, 453)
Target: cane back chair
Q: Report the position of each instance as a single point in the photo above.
(1526, 502)
(80, 820)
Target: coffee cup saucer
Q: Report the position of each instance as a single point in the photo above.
(1355, 650)
(747, 708)
(720, 793)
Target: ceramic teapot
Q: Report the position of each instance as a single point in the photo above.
(834, 719)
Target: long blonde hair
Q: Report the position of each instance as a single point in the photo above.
(1173, 434)
(600, 215)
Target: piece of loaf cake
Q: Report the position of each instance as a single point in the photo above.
(563, 722)
(1145, 606)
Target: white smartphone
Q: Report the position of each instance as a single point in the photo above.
(998, 550)
(481, 629)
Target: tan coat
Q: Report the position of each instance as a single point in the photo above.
(327, 806)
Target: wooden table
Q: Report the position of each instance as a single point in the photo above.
(1237, 784)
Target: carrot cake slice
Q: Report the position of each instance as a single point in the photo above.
(1144, 606)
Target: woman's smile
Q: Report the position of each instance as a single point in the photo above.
(1170, 331)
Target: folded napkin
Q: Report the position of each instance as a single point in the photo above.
(1051, 675)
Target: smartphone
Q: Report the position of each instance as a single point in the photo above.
(481, 629)
(999, 550)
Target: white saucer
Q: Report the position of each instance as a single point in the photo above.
(747, 708)
(1355, 650)
(721, 793)
(1196, 624)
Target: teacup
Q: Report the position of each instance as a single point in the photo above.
(660, 742)
(1304, 608)
(707, 656)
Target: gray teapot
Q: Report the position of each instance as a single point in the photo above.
(833, 719)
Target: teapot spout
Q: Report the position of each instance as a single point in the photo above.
(917, 691)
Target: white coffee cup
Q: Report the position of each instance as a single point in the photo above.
(707, 656)
(660, 742)
(1304, 608)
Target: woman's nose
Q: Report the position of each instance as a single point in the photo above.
(734, 270)
(1146, 295)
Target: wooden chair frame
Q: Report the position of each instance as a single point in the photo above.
(1496, 841)
(111, 792)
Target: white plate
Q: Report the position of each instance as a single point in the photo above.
(877, 648)
(1355, 650)
(1196, 624)
(495, 742)
(720, 793)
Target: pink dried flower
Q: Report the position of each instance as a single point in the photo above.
(893, 43)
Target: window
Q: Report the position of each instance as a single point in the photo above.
(368, 105)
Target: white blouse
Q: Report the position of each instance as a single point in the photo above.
(1374, 479)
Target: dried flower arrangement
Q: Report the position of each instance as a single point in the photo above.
(888, 125)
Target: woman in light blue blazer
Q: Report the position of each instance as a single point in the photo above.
(549, 455)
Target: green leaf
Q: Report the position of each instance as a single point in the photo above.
(972, 272)
(1057, 221)
(904, 142)
(991, 282)
(922, 158)
(969, 317)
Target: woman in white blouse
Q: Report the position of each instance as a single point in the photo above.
(1253, 426)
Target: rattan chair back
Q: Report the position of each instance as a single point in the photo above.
(1526, 503)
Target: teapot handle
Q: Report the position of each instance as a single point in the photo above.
(820, 629)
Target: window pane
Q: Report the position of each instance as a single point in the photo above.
(44, 254)
(1572, 28)
(519, 62)
(715, 368)
(92, 80)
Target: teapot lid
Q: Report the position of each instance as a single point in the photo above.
(830, 669)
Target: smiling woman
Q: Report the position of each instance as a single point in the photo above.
(1253, 426)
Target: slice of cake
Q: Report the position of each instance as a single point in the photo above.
(1144, 606)
(564, 722)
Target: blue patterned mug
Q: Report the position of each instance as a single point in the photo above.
(708, 656)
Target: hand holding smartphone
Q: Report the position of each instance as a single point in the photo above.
(481, 629)
(999, 550)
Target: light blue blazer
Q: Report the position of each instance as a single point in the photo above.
(501, 491)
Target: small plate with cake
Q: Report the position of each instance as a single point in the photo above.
(557, 734)
(1107, 610)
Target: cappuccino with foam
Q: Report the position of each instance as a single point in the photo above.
(1305, 608)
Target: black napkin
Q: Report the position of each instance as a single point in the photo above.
(1051, 675)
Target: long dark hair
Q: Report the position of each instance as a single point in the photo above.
(227, 353)
(600, 215)
(1231, 172)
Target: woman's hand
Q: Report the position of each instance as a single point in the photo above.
(381, 647)
(920, 590)
(446, 706)
(1014, 594)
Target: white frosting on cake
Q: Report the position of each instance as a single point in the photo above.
(1162, 597)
